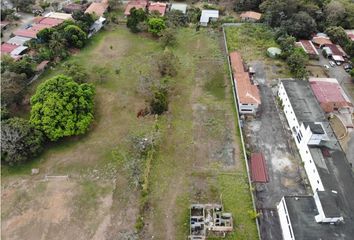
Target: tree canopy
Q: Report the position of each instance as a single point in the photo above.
(297, 61)
(12, 88)
(62, 107)
(136, 16)
(156, 25)
(75, 36)
(19, 141)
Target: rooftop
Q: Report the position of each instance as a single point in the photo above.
(49, 21)
(97, 8)
(329, 203)
(159, 7)
(308, 47)
(258, 168)
(59, 15)
(328, 91)
(302, 211)
(303, 101)
(179, 6)
(336, 50)
(251, 15)
(18, 40)
(207, 14)
(140, 4)
(321, 40)
(8, 48)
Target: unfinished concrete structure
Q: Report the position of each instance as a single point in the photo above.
(209, 219)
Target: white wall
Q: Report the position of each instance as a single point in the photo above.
(321, 217)
(285, 222)
(301, 137)
(247, 108)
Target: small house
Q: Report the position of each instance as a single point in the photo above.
(139, 4)
(251, 16)
(157, 7)
(309, 48)
(208, 15)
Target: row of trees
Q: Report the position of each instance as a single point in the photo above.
(301, 18)
(61, 107)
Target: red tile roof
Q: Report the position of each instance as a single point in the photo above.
(329, 94)
(140, 4)
(50, 21)
(159, 7)
(259, 168)
(251, 15)
(247, 92)
(321, 40)
(38, 27)
(97, 8)
(26, 33)
(336, 50)
(8, 48)
(236, 62)
(308, 47)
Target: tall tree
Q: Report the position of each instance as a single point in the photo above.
(12, 88)
(335, 13)
(75, 36)
(297, 61)
(300, 25)
(136, 16)
(338, 35)
(245, 5)
(19, 141)
(156, 25)
(61, 107)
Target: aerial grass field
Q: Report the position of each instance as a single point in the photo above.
(196, 157)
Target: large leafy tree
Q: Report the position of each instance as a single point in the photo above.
(75, 36)
(300, 25)
(12, 88)
(245, 5)
(338, 35)
(156, 25)
(136, 16)
(19, 141)
(297, 61)
(83, 20)
(62, 107)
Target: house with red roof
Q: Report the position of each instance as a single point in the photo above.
(248, 96)
(13, 50)
(259, 171)
(330, 95)
(157, 7)
(308, 47)
(137, 4)
(28, 33)
(97, 8)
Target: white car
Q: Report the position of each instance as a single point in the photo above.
(332, 64)
(326, 66)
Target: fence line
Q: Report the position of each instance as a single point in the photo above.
(239, 124)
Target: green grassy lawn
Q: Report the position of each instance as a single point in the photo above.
(252, 41)
(202, 80)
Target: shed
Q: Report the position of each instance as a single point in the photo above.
(19, 50)
(208, 15)
(273, 52)
(179, 7)
(259, 168)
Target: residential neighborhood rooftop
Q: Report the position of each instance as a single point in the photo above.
(98, 8)
(139, 4)
(158, 7)
(329, 94)
(18, 40)
(321, 40)
(59, 15)
(259, 168)
(308, 47)
(179, 6)
(208, 14)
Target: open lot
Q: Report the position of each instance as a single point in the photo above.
(267, 132)
(198, 158)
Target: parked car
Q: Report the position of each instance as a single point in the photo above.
(347, 67)
(332, 63)
(326, 66)
(338, 63)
